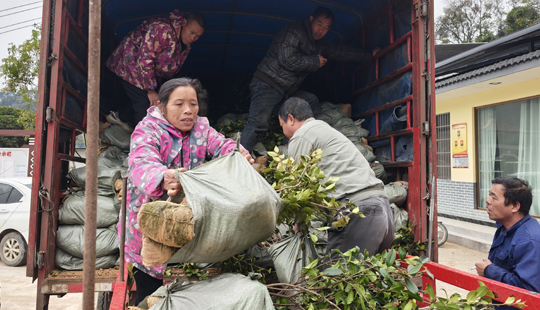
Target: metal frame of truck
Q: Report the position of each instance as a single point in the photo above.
(57, 124)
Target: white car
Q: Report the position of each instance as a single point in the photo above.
(14, 219)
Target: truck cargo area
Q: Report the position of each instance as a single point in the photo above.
(236, 38)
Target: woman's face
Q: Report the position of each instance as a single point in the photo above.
(182, 108)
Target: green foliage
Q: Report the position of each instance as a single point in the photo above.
(480, 298)
(231, 128)
(404, 240)
(245, 265)
(521, 17)
(304, 191)
(191, 270)
(466, 21)
(355, 281)
(9, 119)
(20, 68)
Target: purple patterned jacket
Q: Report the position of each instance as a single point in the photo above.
(151, 50)
(155, 147)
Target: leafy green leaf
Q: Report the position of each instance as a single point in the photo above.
(411, 286)
(332, 271)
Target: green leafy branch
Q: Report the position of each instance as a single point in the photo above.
(356, 281)
(305, 193)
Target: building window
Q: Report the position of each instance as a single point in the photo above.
(508, 145)
(444, 158)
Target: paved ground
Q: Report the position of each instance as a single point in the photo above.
(18, 292)
(458, 257)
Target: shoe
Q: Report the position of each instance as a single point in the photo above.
(115, 120)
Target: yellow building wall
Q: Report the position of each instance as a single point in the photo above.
(462, 111)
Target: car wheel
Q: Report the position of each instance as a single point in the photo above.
(13, 249)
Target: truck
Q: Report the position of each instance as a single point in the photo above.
(79, 35)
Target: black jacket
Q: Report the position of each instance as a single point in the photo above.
(293, 55)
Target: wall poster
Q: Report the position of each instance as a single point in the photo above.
(460, 156)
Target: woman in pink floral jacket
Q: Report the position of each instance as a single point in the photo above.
(155, 49)
(170, 137)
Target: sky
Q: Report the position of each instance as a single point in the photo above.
(13, 15)
(17, 18)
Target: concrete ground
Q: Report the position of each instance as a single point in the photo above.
(461, 258)
(18, 292)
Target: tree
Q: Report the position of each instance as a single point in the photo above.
(466, 21)
(521, 17)
(20, 68)
(9, 120)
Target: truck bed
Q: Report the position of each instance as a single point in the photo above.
(60, 282)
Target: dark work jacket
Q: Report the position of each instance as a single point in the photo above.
(515, 254)
(293, 55)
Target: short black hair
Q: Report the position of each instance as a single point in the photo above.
(168, 87)
(516, 191)
(196, 16)
(323, 11)
(297, 107)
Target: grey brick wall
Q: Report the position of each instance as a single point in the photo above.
(458, 199)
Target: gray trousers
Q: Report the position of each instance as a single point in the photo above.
(374, 232)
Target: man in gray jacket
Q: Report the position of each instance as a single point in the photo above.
(296, 51)
(357, 182)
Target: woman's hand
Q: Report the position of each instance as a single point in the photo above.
(153, 97)
(247, 156)
(170, 183)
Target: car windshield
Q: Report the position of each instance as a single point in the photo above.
(28, 185)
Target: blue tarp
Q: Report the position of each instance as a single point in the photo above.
(236, 29)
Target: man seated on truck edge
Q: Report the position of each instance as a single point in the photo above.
(155, 50)
(357, 182)
(514, 257)
(297, 50)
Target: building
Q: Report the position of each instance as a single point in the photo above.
(488, 123)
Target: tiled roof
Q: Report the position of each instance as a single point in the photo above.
(491, 68)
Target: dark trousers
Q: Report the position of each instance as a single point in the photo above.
(146, 284)
(264, 98)
(134, 113)
(374, 232)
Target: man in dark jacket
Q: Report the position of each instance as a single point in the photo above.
(514, 255)
(296, 50)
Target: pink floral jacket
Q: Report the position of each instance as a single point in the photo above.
(151, 50)
(156, 146)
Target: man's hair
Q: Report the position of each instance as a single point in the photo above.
(196, 16)
(516, 191)
(323, 11)
(297, 107)
(168, 87)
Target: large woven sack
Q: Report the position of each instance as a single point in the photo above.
(70, 238)
(396, 193)
(66, 261)
(73, 210)
(166, 222)
(106, 178)
(233, 209)
(290, 255)
(115, 135)
(370, 157)
(380, 173)
(224, 292)
(330, 116)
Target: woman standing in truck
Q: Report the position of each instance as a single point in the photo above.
(172, 136)
(155, 49)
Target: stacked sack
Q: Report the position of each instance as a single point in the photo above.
(339, 117)
(112, 165)
(397, 196)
